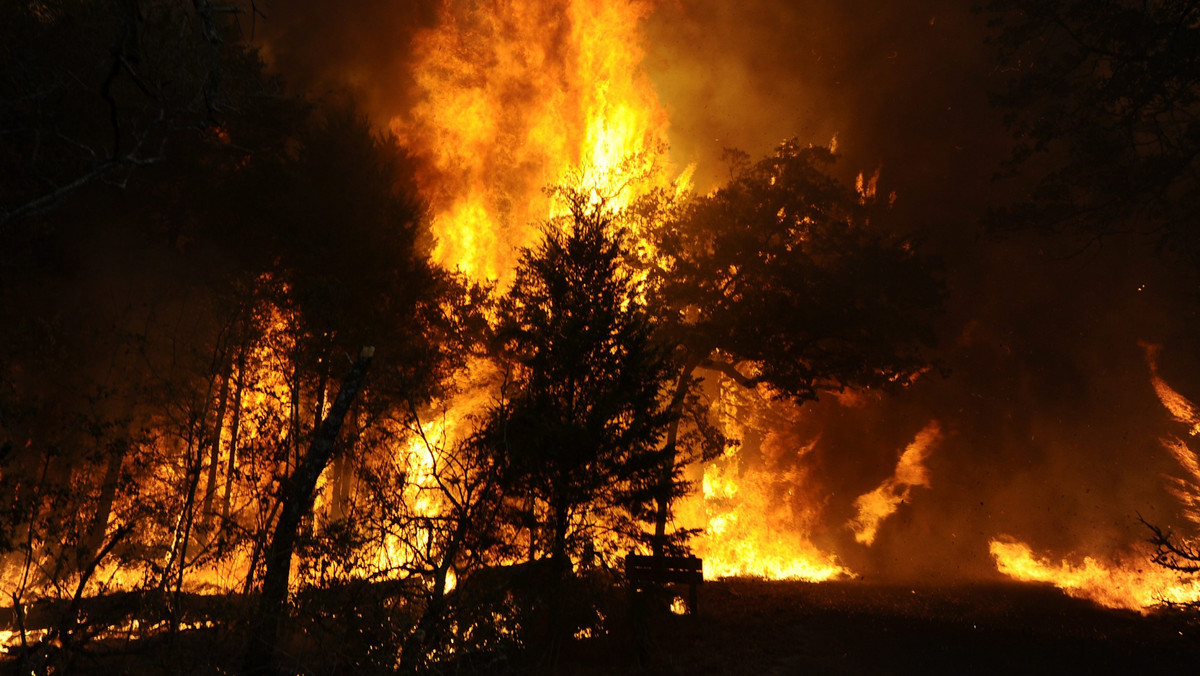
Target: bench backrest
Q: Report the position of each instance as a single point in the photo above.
(689, 569)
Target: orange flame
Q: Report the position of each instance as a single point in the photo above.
(1139, 587)
(748, 534)
(515, 94)
(1180, 408)
(876, 506)
(1185, 489)
(751, 526)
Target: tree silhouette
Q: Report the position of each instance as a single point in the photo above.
(785, 277)
(1102, 99)
(93, 92)
(579, 434)
(240, 269)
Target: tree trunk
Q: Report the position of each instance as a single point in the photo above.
(343, 474)
(292, 458)
(189, 515)
(214, 455)
(234, 431)
(297, 500)
(108, 494)
(531, 522)
(193, 456)
(665, 480)
(322, 387)
(558, 551)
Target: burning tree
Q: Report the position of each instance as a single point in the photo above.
(1102, 98)
(579, 431)
(787, 278)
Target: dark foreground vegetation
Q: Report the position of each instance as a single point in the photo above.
(759, 627)
(744, 626)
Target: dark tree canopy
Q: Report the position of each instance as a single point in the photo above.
(783, 278)
(582, 428)
(1103, 98)
(334, 217)
(93, 92)
(783, 274)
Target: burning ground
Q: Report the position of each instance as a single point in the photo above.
(185, 315)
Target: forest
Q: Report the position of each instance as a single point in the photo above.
(255, 419)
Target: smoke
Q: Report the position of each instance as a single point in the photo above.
(332, 48)
(1050, 423)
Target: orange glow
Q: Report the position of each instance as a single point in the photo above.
(1134, 584)
(1132, 581)
(874, 507)
(754, 523)
(1180, 408)
(515, 94)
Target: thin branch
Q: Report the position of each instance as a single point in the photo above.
(730, 369)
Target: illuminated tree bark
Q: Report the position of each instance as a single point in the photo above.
(214, 453)
(297, 501)
(234, 433)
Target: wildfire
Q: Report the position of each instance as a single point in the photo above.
(1180, 408)
(515, 94)
(753, 526)
(749, 534)
(876, 506)
(1139, 586)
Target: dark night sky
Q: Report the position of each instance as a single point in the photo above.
(1052, 426)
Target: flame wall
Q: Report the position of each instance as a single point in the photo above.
(1050, 425)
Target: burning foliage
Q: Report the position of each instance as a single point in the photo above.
(574, 353)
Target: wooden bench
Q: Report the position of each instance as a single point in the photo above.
(642, 571)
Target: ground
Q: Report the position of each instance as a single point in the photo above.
(760, 628)
(854, 627)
